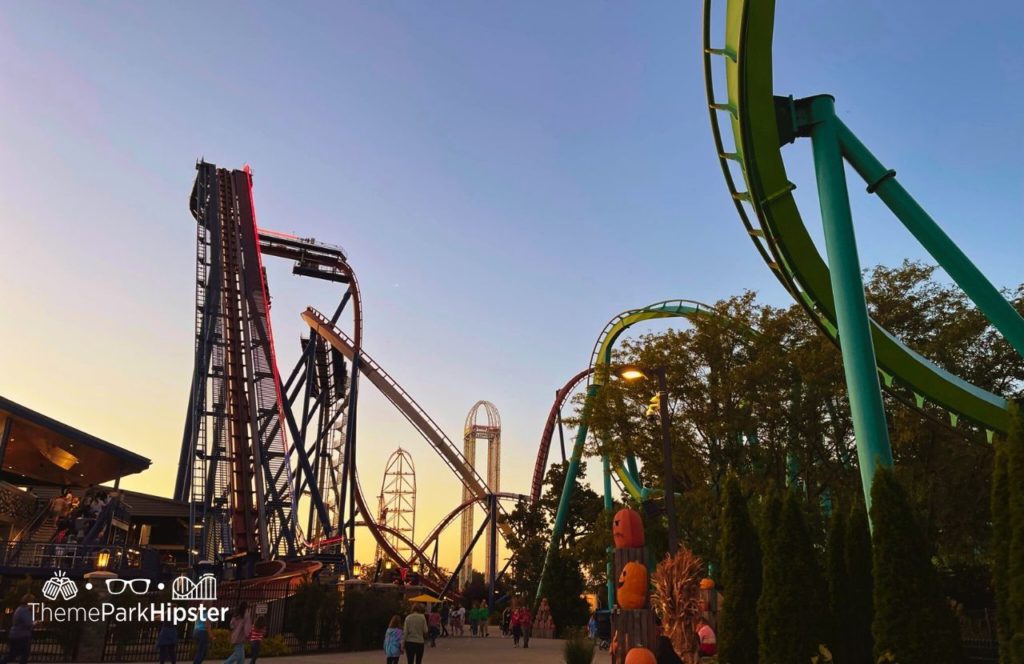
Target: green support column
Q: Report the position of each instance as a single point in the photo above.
(858, 351)
(558, 529)
(609, 503)
(883, 182)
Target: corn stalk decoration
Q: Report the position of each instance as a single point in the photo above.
(676, 598)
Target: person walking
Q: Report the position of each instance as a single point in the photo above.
(506, 621)
(434, 623)
(484, 617)
(414, 634)
(524, 619)
(241, 625)
(19, 636)
(458, 620)
(167, 642)
(393, 639)
(473, 615)
(513, 623)
(202, 638)
(446, 612)
(259, 630)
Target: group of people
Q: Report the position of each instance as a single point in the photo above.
(422, 627)
(244, 630)
(517, 621)
(73, 518)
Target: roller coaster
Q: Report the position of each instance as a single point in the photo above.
(761, 124)
(268, 465)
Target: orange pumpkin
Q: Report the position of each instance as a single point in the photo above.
(632, 588)
(627, 529)
(640, 656)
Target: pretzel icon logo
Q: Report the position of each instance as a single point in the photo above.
(202, 590)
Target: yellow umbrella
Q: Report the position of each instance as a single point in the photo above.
(426, 599)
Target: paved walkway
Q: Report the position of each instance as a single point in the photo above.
(490, 650)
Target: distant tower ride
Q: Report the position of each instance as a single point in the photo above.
(491, 432)
(397, 501)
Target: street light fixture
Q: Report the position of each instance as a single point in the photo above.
(630, 373)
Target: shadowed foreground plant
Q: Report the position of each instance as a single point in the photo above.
(578, 649)
(676, 598)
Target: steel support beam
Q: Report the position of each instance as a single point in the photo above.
(858, 351)
(953, 260)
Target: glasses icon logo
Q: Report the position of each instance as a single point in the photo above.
(118, 586)
(202, 590)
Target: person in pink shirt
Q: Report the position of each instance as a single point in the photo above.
(708, 640)
(522, 625)
(434, 621)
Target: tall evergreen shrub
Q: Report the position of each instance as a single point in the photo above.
(912, 621)
(741, 579)
(792, 608)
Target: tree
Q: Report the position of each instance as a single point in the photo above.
(792, 608)
(859, 642)
(912, 620)
(1001, 535)
(741, 579)
(1008, 536)
(588, 533)
(527, 544)
(744, 402)
(838, 577)
(564, 588)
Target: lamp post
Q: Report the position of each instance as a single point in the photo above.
(635, 373)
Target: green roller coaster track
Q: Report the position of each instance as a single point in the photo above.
(600, 360)
(761, 125)
(832, 292)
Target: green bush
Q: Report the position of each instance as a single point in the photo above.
(837, 576)
(365, 616)
(741, 578)
(859, 642)
(578, 648)
(272, 646)
(912, 620)
(220, 643)
(564, 587)
(304, 609)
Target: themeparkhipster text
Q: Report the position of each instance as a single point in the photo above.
(155, 612)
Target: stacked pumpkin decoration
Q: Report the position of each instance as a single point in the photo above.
(632, 588)
(628, 533)
(627, 529)
(640, 656)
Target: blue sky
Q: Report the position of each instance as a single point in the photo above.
(504, 176)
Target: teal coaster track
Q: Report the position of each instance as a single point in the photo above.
(627, 472)
(832, 292)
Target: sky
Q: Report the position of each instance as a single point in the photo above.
(505, 177)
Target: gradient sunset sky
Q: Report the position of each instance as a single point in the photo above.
(504, 176)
